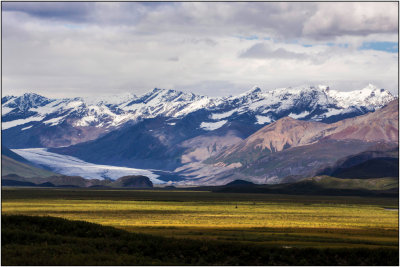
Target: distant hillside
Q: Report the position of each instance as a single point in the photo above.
(132, 181)
(322, 185)
(58, 180)
(12, 166)
(7, 182)
(367, 184)
(12, 179)
(380, 161)
(7, 152)
(239, 183)
(373, 168)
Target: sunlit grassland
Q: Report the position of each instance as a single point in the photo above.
(276, 220)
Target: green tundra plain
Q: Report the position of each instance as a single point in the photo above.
(267, 219)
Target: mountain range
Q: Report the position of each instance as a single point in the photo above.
(32, 120)
(203, 140)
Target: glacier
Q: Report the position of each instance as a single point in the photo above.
(72, 166)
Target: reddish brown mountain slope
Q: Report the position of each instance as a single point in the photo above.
(381, 125)
(284, 133)
(378, 126)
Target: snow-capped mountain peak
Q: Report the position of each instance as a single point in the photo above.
(90, 117)
(256, 89)
(370, 97)
(26, 101)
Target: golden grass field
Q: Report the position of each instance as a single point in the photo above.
(312, 221)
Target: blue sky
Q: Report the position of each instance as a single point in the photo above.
(64, 49)
(390, 47)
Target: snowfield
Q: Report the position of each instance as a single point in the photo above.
(73, 166)
(263, 119)
(210, 126)
(218, 116)
(299, 116)
(10, 124)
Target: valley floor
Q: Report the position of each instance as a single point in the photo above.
(267, 219)
(50, 241)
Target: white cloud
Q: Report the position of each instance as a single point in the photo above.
(339, 19)
(119, 47)
(262, 50)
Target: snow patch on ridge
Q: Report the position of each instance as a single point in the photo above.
(299, 116)
(263, 119)
(86, 121)
(332, 112)
(10, 124)
(196, 105)
(6, 110)
(210, 126)
(218, 116)
(26, 128)
(54, 121)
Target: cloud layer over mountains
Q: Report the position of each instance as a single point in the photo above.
(64, 49)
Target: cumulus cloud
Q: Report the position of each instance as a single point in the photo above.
(338, 19)
(69, 49)
(74, 11)
(282, 20)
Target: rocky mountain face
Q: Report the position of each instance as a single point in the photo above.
(289, 147)
(282, 134)
(32, 120)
